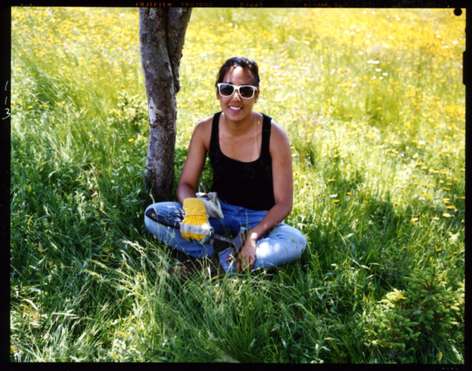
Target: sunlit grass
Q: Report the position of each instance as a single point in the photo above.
(375, 114)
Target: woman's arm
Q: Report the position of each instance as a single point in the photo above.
(283, 194)
(282, 181)
(193, 166)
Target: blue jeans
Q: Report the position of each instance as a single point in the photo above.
(283, 244)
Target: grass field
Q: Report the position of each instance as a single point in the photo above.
(373, 103)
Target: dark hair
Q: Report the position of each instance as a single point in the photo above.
(241, 62)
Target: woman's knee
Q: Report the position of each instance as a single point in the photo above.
(293, 238)
(302, 241)
(283, 245)
(167, 213)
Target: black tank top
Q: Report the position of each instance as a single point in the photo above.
(246, 184)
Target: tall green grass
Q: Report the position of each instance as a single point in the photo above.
(375, 116)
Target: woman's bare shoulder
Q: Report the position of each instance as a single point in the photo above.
(202, 131)
(278, 134)
(204, 123)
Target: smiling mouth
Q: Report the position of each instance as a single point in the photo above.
(234, 108)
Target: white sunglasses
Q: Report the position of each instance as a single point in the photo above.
(245, 91)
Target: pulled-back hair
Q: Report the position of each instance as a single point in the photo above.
(241, 62)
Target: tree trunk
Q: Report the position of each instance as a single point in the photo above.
(162, 34)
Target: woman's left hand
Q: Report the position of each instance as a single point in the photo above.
(247, 255)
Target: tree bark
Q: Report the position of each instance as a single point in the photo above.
(162, 35)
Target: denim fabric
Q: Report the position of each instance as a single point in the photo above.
(281, 245)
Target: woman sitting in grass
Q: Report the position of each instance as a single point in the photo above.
(252, 177)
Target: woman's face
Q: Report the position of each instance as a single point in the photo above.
(234, 107)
